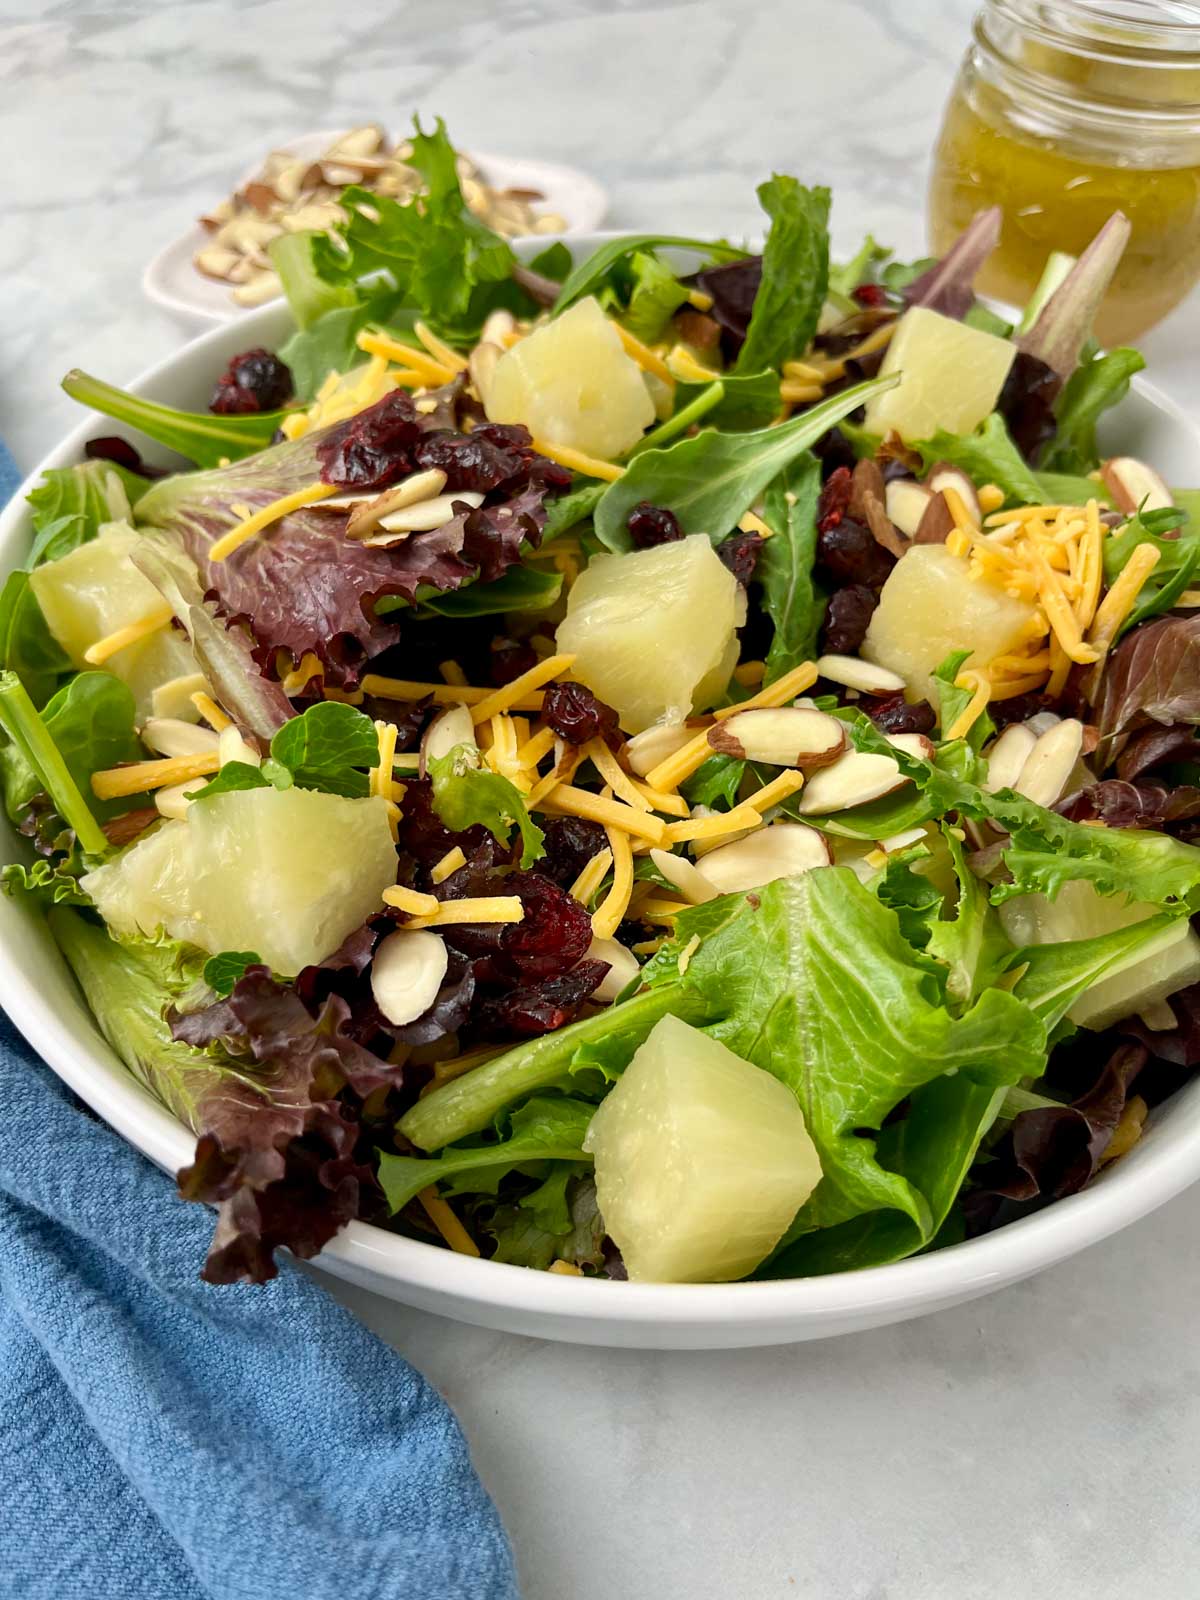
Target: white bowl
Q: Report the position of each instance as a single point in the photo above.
(172, 281)
(39, 993)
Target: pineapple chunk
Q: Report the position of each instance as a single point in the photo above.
(702, 1160)
(952, 376)
(96, 589)
(653, 631)
(571, 383)
(286, 873)
(1078, 912)
(931, 606)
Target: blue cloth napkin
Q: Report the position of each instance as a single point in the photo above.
(160, 1437)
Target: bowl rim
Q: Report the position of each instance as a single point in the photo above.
(369, 1255)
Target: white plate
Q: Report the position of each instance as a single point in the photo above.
(171, 280)
(38, 992)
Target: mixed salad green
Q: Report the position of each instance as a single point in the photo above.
(678, 764)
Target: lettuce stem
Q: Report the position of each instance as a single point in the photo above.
(208, 440)
(21, 722)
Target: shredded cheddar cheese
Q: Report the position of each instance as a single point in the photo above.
(152, 622)
(611, 912)
(442, 694)
(211, 711)
(592, 876)
(310, 667)
(644, 356)
(682, 364)
(117, 782)
(449, 864)
(612, 813)
(381, 775)
(224, 547)
(487, 908)
(577, 461)
(1120, 599)
(740, 820)
(439, 349)
(412, 901)
(609, 768)
(407, 355)
(514, 694)
(778, 789)
(453, 673)
(446, 1223)
(976, 706)
(537, 749)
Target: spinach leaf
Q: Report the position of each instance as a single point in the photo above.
(1179, 556)
(27, 647)
(571, 509)
(518, 589)
(235, 775)
(953, 701)
(206, 439)
(1095, 385)
(26, 730)
(553, 262)
(719, 778)
(545, 1128)
(710, 480)
(748, 400)
(987, 456)
(654, 299)
(594, 273)
(795, 274)
(222, 972)
(790, 596)
(324, 746)
(465, 794)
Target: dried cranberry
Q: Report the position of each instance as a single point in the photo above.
(422, 832)
(254, 381)
(847, 619)
(893, 714)
(540, 1007)
(740, 554)
(835, 498)
(870, 294)
(510, 658)
(374, 448)
(849, 553)
(554, 933)
(650, 525)
(122, 454)
(570, 843)
(834, 451)
(469, 460)
(576, 715)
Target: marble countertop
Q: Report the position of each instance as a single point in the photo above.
(1039, 1442)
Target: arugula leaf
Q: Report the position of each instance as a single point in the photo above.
(795, 274)
(1093, 387)
(20, 720)
(785, 565)
(465, 794)
(1045, 850)
(748, 401)
(221, 972)
(1179, 557)
(570, 509)
(544, 1129)
(654, 299)
(953, 701)
(206, 439)
(595, 272)
(987, 456)
(323, 747)
(710, 480)
(719, 778)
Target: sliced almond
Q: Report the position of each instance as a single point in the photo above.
(1007, 755)
(856, 674)
(232, 747)
(913, 744)
(782, 850)
(172, 800)
(427, 514)
(497, 326)
(413, 490)
(1134, 485)
(481, 365)
(937, 524)
(171, 736)
(781, 736)
(944, 476)
(682, 875)
(215, 261)
(853, 781)
(901, 841)
(258, 289)
(1158, 1017)
(1047, 771)
(704, 847)
(622, 968)
(1041, 721)
(449, 728)
(407, 971)
(645, 750)
(906, 501)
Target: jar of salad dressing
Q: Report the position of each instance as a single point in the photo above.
(1064, 112)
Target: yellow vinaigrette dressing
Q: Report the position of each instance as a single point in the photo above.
(1064, 112)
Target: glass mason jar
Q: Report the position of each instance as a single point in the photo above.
(1065, 111)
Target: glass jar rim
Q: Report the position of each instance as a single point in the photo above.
(1144, 37)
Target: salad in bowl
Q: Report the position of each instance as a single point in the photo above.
(674, 766)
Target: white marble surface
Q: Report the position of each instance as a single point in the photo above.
(1042, 1442)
